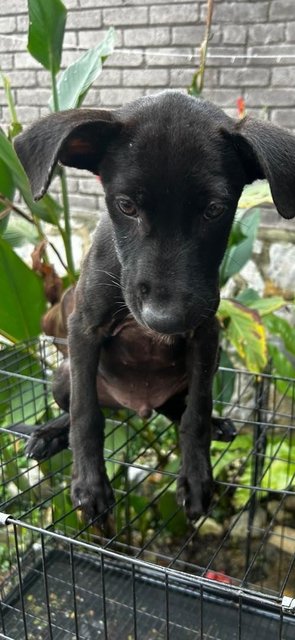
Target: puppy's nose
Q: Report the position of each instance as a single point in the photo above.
(159, 319)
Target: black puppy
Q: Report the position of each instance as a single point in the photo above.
(143, 331)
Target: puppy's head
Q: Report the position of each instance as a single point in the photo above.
(173, 169)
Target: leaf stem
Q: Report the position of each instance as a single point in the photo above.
(67, 235)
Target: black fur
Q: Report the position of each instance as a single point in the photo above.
(177, 167)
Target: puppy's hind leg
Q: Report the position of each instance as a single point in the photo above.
(52, 437)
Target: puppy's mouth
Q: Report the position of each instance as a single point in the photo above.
(162, 320)
(170, 315)
(166, 322)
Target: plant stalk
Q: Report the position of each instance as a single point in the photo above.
(197, 84)
(67, 235)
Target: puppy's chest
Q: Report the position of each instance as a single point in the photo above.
(141, 370)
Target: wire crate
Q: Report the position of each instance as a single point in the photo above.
(147, 574)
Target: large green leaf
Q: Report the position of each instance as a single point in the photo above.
(48, 209)
(46, 32)
(264, 306)
(19, 232)
(244, 329)
(77, 79)
(281, 328)
(22, 299)
(7, 190)
(240, 245)
(255, 194)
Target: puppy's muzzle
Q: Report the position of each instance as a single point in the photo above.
(159, 319)
(158, 309)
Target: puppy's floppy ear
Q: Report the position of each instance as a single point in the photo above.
(268, 152)
(76, 138)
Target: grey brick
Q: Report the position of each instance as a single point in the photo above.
(283, 76)
(222, 97)
(25, 115)
(245, 77)
(7, 25)
(155, 2)
(70, 39)
(43, 79)
(125, 16)
(183, 77)
(108, 78)
(6, 61)
(234, 34)
(171, 14)
(27, 78)
(239, 12)
(282, 10)
(84, 202)
(38, 97)
(72, 184)
(88, 185)
(155, 37)
(69, 4)
(87, 39)
(84, 19)
(169, 57)
(290, 32)
(117, 97)
(284, 118)
(104, 3)
(145, 77)
(193, 35)
(266, 33)
(12, 43)
(270, 98)
(13, 7)
(271, 53)
(124, 59)
(24, 60)
(221, 55)
(3, 100)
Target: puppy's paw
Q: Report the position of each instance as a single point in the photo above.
(223, 429)
(93, 494)
(194, 493)
(44, 443)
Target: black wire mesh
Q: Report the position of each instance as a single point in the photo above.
(148, 574)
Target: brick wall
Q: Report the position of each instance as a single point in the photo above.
(161, 37)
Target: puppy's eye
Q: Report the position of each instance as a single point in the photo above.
(127, 207)
(214, 210)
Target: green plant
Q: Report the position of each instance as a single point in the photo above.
(22, 309)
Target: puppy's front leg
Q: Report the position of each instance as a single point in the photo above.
(195, 483)
(91, 489)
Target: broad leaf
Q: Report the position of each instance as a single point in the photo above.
(240, 246)
(266, 306)
(281, 328)
(244, 329)
(22, 296)
(7, 190)
(20, 232)
(48, 210)
(77, 79)
(46, 32)
(255, 194)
